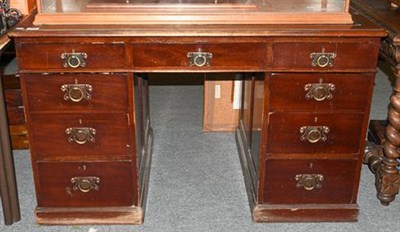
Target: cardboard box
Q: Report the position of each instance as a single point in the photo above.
(221, 102)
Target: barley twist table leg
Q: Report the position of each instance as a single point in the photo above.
(387, 175)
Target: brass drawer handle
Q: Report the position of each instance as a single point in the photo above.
(74, 59)
(322, 59)
(199, 59)
(81, 135)
(85, 184)
(77, 92)
(319, 91)
(314, 134)
(309, 181)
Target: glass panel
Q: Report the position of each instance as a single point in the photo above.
(258, 104)
(246, 110)
(138, 82)
(223, 6)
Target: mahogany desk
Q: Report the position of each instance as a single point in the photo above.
(387, 182)
(305, 108)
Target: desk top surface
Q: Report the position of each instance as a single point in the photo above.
(361, 27)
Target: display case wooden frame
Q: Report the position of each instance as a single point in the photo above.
(205, 12)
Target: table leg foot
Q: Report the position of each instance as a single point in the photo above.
(387, 174)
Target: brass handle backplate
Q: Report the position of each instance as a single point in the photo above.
(74, 59)
(319, 91)
(314, 134)
(85, 184)
(199, 59)
(309, 181)
(322, 59)
(81, 135)
(77, 92)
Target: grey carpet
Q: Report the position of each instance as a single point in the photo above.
(196, 182)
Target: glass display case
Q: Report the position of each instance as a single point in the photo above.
(193, 12)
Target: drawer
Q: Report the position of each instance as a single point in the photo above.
(70, 56)
(89, 136)
(15, 110)
(310, 181)
(216, 56)
(320, 92)
(84, 184)
(15, 115)
(306, 133)
(66, 92)
(13, 97)
(326, 55)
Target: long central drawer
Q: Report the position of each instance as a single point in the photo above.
(200, 56)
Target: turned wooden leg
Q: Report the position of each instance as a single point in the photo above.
(387, 175)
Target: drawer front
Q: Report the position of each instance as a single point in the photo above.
(13, 97)
(15, 110)
(71, 56)
(78, 184)
(309, 181)
(320, 92)
(72, 137)
(327, 55)
(15, 115)
(306, 133)
(223, 56)
(66, 92)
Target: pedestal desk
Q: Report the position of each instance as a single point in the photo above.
(382, 159)
(306, 100)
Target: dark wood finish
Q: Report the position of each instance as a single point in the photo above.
(349, 54)
(56, 189)
(288, 91)
(112, 138)
(261, 52)
(10, 82)
(15, 111)
(385, 163)
(376, 131)
(336, 187)
(8, 186)
(283, 155)
(45, 92)
(101, 54)
(343, 137)
(115, 156)
(245, 55)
